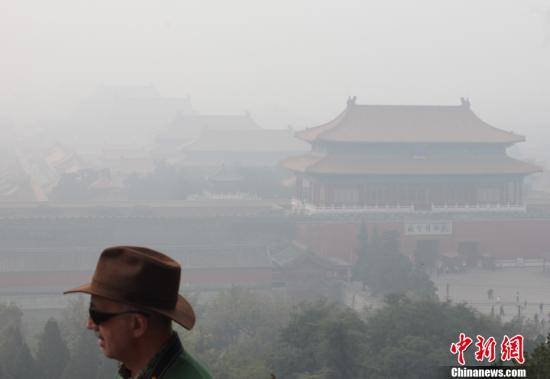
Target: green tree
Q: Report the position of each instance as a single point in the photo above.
(15, 357)
(16, 360)
(73, 320)
(360, 268)
(538, 362)
(410, 338)
(52, 354)
(237, 333)
(87, 361)
(84, 358)
(322, 340)
(321, 374)
(239, 314)
(385, 270)
(10, 316)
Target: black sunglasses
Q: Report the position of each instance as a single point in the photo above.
(99, 317)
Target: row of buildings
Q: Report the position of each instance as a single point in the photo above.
(438, 175)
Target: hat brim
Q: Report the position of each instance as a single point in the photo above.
(182, 313)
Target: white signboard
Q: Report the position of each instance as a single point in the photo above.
(429, 228)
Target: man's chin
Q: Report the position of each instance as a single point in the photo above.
(107, 354)
(101, 345)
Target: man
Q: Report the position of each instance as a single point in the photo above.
(134, 298)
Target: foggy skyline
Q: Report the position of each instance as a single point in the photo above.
(285, 62)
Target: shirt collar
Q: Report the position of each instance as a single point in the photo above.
(159, 363)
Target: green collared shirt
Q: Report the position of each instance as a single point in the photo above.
(171, 362)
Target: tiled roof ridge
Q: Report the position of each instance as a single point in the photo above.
(302, 134)
(348, 121)
(409, 106)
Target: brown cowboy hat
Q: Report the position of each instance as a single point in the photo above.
(140, 277)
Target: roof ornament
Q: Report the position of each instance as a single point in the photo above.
(465, 102)
(351, 100)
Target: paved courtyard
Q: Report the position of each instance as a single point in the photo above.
(529, 285)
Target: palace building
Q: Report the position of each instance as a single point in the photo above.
(403, 159)
(438, 175)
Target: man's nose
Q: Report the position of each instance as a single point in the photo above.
(90, 325)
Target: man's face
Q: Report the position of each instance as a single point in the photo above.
(114, 336)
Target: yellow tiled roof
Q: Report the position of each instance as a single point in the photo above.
(408, 124)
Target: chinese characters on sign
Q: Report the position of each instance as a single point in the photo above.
(510, 348)
(428, 228)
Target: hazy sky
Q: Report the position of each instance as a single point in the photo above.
(287, 62)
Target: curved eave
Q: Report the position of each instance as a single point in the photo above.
(512, 137)
(312, 134)
(301, 163)
(353, 164)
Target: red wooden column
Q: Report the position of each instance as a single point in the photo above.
(506, 193)
(329, 194)
(299, 188)
(314, 192)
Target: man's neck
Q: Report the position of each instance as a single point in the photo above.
(144, 351)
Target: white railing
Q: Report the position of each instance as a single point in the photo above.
(310, 209)
(478, 208)
(224, 196)
(520, 262)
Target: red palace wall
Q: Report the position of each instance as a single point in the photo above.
(56, 282)
(227, 276)
(501, 238)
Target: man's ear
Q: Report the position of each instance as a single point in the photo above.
(140, 323)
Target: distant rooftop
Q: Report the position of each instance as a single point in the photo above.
(216, 122)
(186, 128)
(249, 140)
(408, 124)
